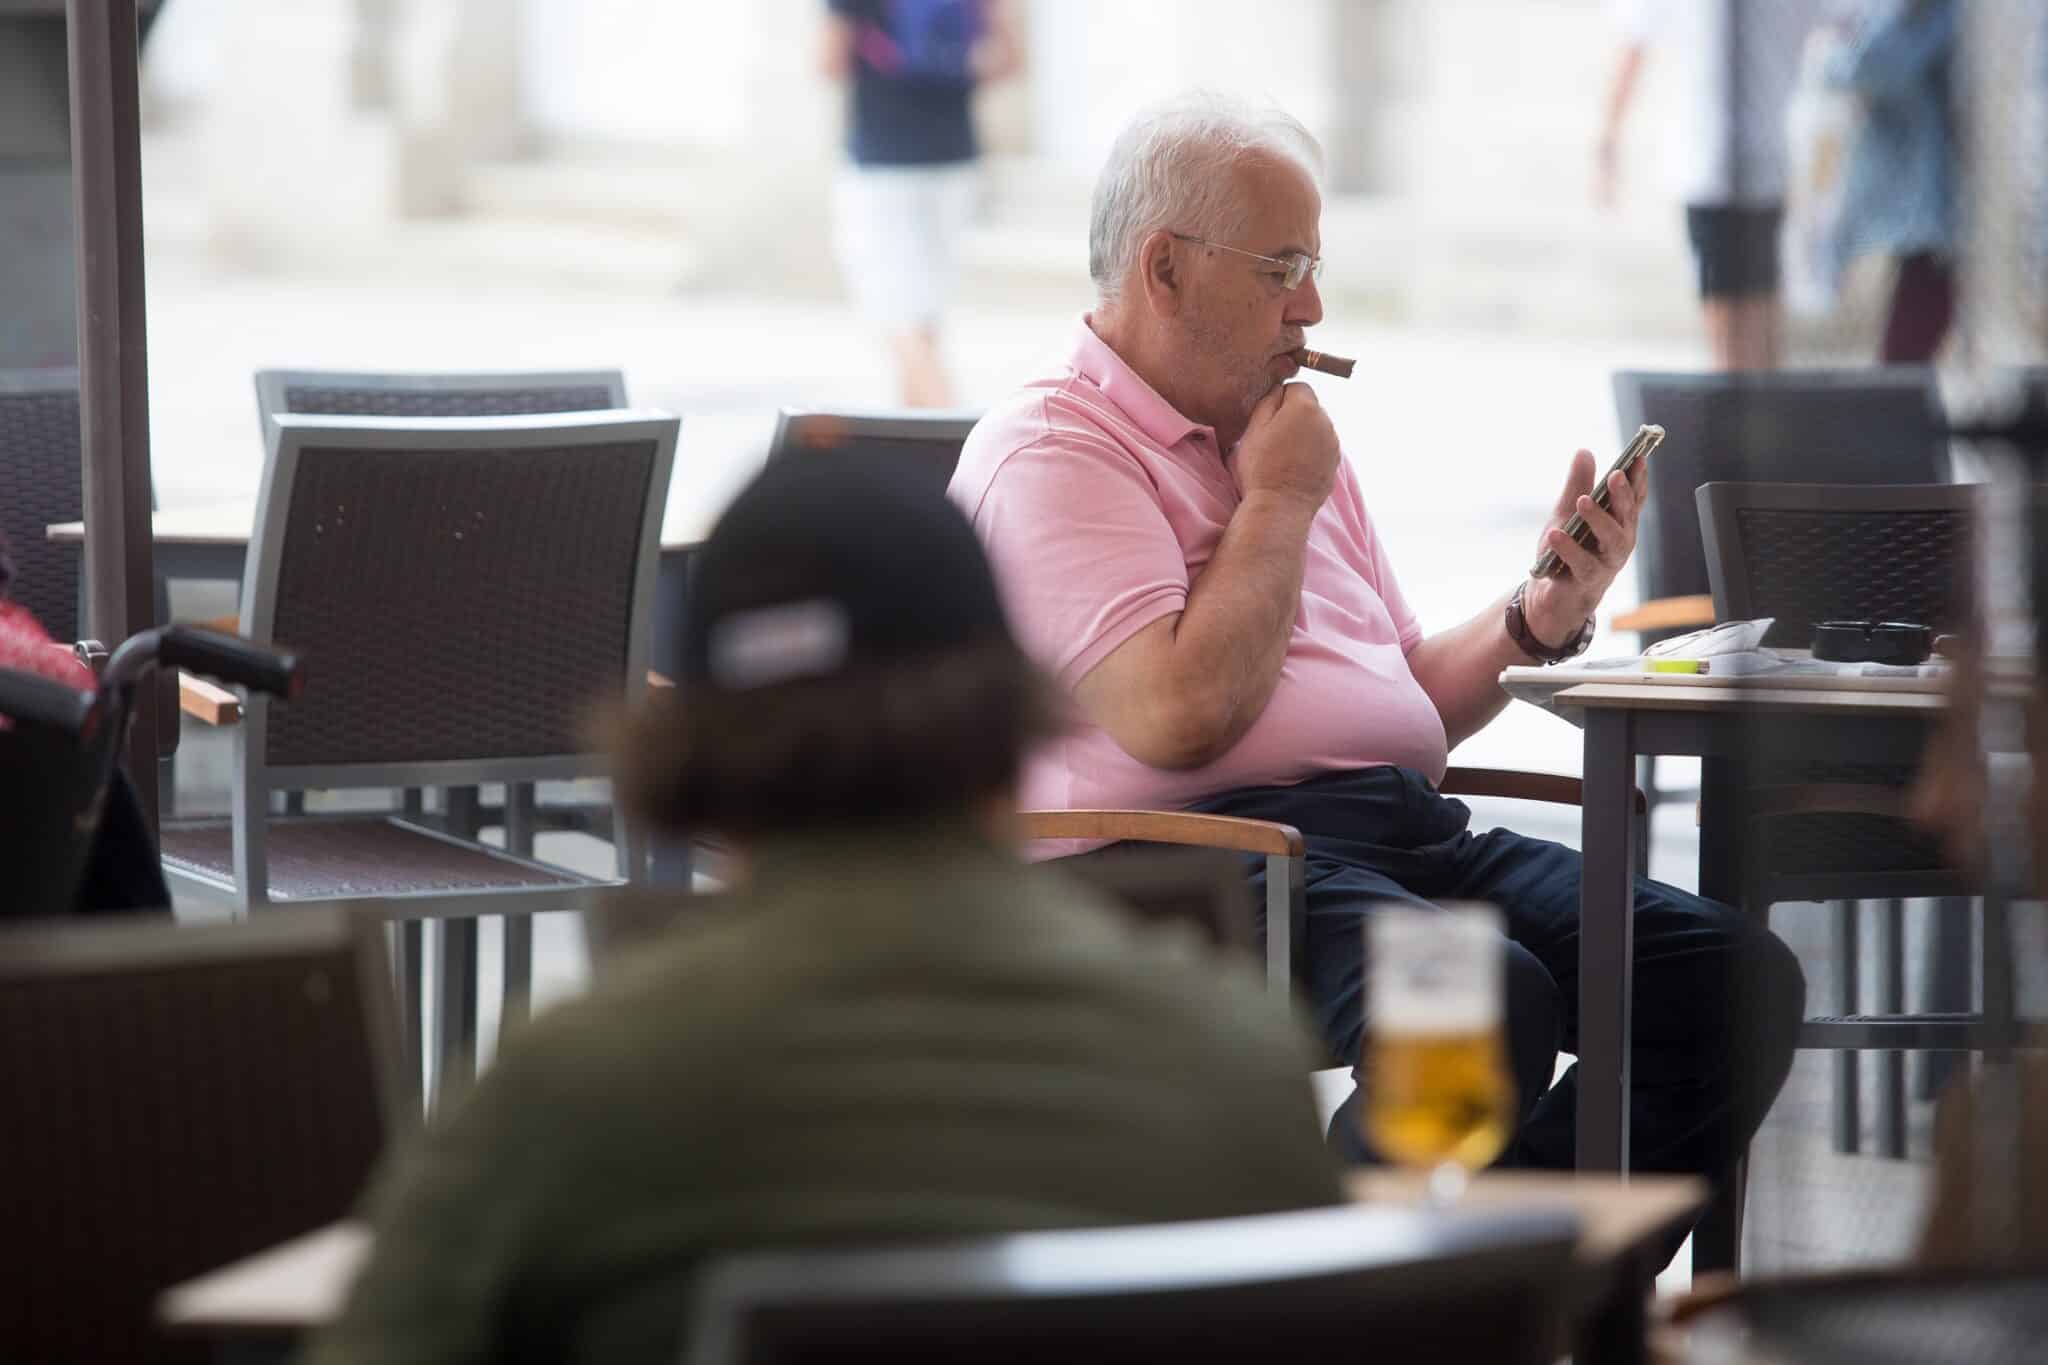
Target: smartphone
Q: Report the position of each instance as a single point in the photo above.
(1641, 444)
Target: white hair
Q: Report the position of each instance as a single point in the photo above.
(1170, 168)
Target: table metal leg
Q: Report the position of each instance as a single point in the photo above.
(1606, 940)
(1891, 999)
(1848, 951)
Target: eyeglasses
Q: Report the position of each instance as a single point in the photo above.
(1294, 268)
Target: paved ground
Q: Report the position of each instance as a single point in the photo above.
(1460, 440)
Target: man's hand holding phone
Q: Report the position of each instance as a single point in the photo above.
(1560, 598)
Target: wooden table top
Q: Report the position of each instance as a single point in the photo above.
(1616, 1215)
(301, 1284)
(1842, 698)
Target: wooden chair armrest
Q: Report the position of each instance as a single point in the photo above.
(1668, 613)
(655, 679)
(1553, 788)
(230, 624)
(208, 701)
(1166, 827)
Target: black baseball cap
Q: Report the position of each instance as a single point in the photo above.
(831, 564)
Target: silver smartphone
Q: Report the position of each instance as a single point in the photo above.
(1641, 444)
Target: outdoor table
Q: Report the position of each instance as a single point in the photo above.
(1726, 727)
(260, 1308)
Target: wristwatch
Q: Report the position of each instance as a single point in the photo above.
(1518, 631)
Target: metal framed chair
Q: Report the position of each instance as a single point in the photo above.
(464, 590)
(1417, 1287)
(457, 393)
(179, 1097)
(1809, 552)
(929, 440)
(40, 485)
(1848, 426)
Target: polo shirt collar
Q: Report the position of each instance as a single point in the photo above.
(1093, 360)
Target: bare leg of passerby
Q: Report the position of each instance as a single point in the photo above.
(1743, 331)
(920, 371)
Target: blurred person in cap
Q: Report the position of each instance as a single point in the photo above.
(905, 196)
(1184, 548)
(896, 1030)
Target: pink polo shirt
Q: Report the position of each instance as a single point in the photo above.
(1100, 505)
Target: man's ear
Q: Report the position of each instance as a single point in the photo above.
(1159, 271)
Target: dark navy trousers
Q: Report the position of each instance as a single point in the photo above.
(1717, 999)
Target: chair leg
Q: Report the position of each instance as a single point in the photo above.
(407, 940)
(1717, 1237)
(1951, 931)
(459, 812)
(1848, 967)
(1891, 999)
(455, 1041)
(518, 992)
(520, 815)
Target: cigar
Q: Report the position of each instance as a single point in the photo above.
(1324, 364)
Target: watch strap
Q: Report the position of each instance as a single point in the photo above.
(1526, 641)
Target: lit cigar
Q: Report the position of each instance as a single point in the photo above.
(1324, 364)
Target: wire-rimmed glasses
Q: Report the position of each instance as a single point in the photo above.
(1295, 267)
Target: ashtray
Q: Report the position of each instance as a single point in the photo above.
(1904, 643)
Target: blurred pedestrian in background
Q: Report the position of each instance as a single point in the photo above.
(1726, 151)
(911, 67)
(1900, 192)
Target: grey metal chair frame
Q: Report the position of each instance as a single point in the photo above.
(255, 778)
(483, 393)
(1891, 1030)
(798, 428)
(1350, 1266)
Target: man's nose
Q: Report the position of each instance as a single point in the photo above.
(1305, 304)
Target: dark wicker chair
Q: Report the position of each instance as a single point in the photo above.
(178, 1097)
(464, 591)
(1804, 553)
(1406, 1286)
(40, 485)
(929, 441)
(1860, 426)
(500, 393)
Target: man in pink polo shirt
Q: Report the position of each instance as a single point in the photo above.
(1182, 545)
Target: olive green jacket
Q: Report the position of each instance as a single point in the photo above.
(883, 1039)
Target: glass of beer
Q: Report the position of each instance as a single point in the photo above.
(1438, 1093)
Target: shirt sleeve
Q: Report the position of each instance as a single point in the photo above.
(1082, 549)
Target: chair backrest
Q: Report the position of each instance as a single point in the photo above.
(359, 393)
(464, 590)
(929, 441)
(1875, 425)
(178, 1097)
(40, 485)
(56, 752)
(1384, 1284)
(1203, 887)
(1808, 552)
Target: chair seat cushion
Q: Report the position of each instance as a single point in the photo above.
(322, 858)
